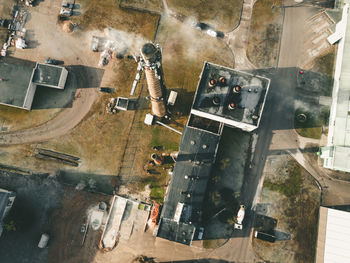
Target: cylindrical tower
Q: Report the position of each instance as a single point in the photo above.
(152, 58)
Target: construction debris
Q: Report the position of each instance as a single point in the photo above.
(111, 106)
(58, 157)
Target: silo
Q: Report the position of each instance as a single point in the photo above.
(152, 57)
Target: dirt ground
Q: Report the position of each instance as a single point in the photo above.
(264, 34)
(94, 139)
(5, 13)
(65, 224)
(155, 6)
(37, 197)
(291, 196)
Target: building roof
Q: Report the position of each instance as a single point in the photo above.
(176, 231)
(125, 217)
(333, 236)
(47, 75)
(336, 158)
(184, 199)
(339, 121)
(20, 78)
(16, 76)
(248, 101)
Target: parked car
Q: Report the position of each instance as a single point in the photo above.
(51, 61)
(66, 12)
(201, 26)
(68, 5)
(200, 233)
(4, 22)
(43, 240)
(107, 90)
(212, 33)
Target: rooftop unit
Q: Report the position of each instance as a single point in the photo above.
(22, 77)
(224, 97)
(232, 97)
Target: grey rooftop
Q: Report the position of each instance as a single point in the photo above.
(182, 208)
(230, 96)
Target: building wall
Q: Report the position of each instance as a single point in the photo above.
(27, 105)
(63, 78)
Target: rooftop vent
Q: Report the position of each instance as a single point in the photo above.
(237, 89)
(231, 106)
(222, 81)
(212, 82)
(216, 101)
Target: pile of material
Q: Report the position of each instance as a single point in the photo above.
(68, 26)
(111, 106)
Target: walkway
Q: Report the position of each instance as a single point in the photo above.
(237, 39)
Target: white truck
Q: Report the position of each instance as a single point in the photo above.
(240, 217)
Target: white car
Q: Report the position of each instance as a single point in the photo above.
(66, 11)
(212, 33)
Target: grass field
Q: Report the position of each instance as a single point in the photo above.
(325, 64)
(5, 13)
(293, 198)
(106, 13)
(222, 14)
(184, 52)
(13, 119)
(312, 127)
(264, 34)
(154, 6)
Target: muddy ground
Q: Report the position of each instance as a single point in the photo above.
(37, 197)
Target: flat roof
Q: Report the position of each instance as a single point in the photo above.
(45, 74)
(340, 132)
(248, 101)
(184, 198)
(21, 77)
(125, 217)
(16, 75)
(333, 236)
(178, 232)
(336, 157)
(341, 158)
(339, 121)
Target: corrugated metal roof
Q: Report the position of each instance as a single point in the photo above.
(333, 236)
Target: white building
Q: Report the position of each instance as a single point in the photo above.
(333, 239)
(337, 152)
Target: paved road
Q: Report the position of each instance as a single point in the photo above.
(276, 129)
(60, 125)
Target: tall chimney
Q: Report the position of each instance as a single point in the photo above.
(152, 57)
